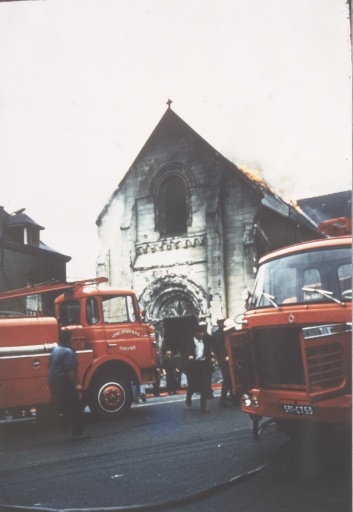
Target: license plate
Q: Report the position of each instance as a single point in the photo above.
(300, 410)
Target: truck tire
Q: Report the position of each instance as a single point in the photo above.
(110, 397)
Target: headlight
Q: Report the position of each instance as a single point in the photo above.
(254, 401)
(246, 400)
(249, 401)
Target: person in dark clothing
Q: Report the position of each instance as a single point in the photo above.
(157, 375)
(179, 366)
(220, 351)
(170, 372)
(64, 385)
(198, 358)
(210, 373)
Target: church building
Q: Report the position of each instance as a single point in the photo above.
(186, 227)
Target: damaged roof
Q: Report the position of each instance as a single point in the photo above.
(269, 198)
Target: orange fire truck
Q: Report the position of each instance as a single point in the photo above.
(115, 347)
(291, 361)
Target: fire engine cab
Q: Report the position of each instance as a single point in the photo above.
(115, 347)
(292, 359)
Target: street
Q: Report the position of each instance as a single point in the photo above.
(165, 453)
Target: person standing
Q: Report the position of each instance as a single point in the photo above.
(198, 357)
(157, 375)
(220, 351)
(64, 385)
(179, 367)
(170, 372)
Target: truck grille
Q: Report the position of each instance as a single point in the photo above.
(325, 366)
(279, 357)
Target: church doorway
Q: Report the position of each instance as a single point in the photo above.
(176, 331)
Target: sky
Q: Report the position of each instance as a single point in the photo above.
(83, 83)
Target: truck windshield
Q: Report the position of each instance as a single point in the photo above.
(312, 276)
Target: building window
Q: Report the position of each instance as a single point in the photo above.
(173, 207)
(16, 234)
(31, 236)
(34, 305)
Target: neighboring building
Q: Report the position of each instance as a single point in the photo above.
(185, 229)
(331, 213)
(330, 206)
(25, 260)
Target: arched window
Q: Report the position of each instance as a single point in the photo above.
(173, 207)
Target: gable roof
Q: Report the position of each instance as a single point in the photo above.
(170, 122)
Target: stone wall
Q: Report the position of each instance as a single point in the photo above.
(201, 272)
(240, 207)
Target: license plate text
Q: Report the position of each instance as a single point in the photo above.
(306, 410)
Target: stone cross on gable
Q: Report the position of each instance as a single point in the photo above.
(169, 102)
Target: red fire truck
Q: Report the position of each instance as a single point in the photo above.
(115, 347)
(291, 361)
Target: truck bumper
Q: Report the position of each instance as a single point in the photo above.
(284, 406)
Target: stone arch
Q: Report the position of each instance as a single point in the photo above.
(173, 298)
(171, 169)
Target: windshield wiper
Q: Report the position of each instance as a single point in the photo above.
(271, 299)
(324, 293)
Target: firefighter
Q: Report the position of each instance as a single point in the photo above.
(64, 385)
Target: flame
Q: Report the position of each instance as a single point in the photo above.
(256, 176)
(253, 174)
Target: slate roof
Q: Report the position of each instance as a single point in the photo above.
(330, 206)
(7, 220)
(21, 219)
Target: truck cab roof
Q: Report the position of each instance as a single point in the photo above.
(325, 243)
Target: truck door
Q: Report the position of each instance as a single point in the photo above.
(241, 362)
(125, 335)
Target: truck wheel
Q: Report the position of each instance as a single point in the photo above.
(110, 397)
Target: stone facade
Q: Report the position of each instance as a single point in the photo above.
(181, 230)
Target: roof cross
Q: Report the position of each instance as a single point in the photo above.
(169, 102)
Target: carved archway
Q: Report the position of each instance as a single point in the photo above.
(173, 298)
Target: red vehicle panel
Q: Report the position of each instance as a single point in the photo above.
(291, 361)
(115, 347)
